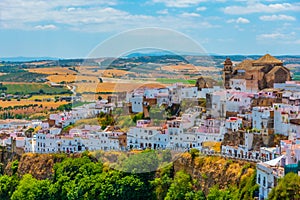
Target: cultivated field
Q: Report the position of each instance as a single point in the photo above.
(113, 87)
(45, 104)
(93, 71)
(188, 68)
(42, 97)
(33, 88)
(52, 70)
(71, 78)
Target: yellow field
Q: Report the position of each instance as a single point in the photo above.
(71, 78)
(45, 97)
(102, 73)
(114, 87)
(4, 104)
(52, 70)
(114, 72)
(188, 67)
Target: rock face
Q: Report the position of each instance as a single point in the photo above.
(259, 74)
(209, 171)
(206, 170)
(40, 166)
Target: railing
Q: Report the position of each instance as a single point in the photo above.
(209, 153)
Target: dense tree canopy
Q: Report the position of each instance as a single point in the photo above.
(146, 175)
(287, 188)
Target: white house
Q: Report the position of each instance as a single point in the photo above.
(141, 137)
(234, 123)
(238, 84)
(260, 117)
(282, 114)
(202, 93)
(217, 102)
(136, 103)
(238, 101)
(266, 175)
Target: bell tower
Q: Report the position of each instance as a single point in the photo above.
(227, 72)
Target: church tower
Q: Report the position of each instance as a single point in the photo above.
(227, 72)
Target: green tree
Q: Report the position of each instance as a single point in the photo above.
(248, 187)
(29, 132)
(8, 185)
(287, 188)
(69, 173)
(216, 193)
(30, 188)
(181, 188)
(163, 182)
(157, 112)
(194, 153)
(106, 120)
(144, 162)
(14, 166)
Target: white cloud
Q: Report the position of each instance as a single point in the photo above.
(261, 8)
(186, 14)
(163, 12)
(179, 3)
(45, 27)
(277, 18)
(276, 36)
(239, 20)
(202, 8)
(271, 36)
(242, 20)
(88, 16)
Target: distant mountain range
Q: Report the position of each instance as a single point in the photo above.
(142, 54)
(26, 59)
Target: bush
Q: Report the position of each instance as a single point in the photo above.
(194, 153)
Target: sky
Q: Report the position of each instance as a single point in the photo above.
(74, 28)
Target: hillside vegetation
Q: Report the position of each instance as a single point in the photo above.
(34, 88)
(137, 175)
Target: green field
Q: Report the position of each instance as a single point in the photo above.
(80, 103)
(171, 81)
(34, 89)
(20, 76)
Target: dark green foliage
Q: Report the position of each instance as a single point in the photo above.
(182, 188)
(163, 182)
(106, 119)
(144, 162)
(14, 166)
(8, 185)
(65, 107)
(24, 89)
(146, 175)
(217, 194)
(137, 117)
(80, 178)
(32, 189)
(22, 76)
(288, 188)
(248, 187)
(245, 190)
(194, 153)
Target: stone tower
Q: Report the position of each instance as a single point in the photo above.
(227, 72)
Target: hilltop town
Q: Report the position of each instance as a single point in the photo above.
(253, 116)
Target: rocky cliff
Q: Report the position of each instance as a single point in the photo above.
(211, 170)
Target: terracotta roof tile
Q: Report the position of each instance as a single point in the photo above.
(268, 59)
